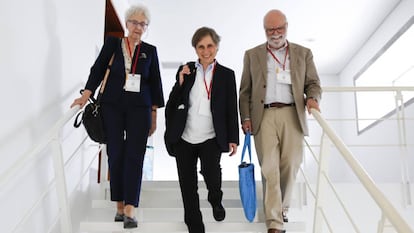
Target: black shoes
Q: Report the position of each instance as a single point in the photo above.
(130, 222)
(219, 213)
(119, 217)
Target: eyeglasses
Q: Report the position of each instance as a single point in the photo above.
(136, 23)
(276, 29)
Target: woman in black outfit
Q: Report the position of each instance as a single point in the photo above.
(132, 94)
(201, 123)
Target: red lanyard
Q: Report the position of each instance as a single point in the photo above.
(211, 81)
(277, 60)
(134, 66)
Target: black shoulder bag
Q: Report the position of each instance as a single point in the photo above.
(92, 116)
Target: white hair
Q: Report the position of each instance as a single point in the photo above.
(137, 9)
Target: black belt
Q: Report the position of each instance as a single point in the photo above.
(278, 105)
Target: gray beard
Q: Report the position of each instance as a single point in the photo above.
(275, 44)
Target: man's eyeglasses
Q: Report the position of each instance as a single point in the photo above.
(136, 23)
(276, 29)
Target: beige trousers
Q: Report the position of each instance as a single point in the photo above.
(279, 147)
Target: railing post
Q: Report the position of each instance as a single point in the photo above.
(321, 184)
(381, 223)
(405, 181)
(61, 188)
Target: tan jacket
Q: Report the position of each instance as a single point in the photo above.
(304, 77)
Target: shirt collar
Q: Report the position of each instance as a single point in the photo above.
(199, 65)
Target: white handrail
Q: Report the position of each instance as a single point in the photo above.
(384, 204)
(400, 118)
(44, 142)
(52, 138)
(371, 88)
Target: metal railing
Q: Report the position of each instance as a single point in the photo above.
(323, 183)
(52, 140)
(329, 136)
(401, 124)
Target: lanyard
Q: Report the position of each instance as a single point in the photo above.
(208, 89)
(134, 66)
(277, 60)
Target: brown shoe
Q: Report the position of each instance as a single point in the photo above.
(275, 231)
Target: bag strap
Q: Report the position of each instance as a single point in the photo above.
(78, 120)
(248, 146)
(101, 89)
(108, 69)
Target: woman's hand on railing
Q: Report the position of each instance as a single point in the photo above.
(312, 103)
(83, 99)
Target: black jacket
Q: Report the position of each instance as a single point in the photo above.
(223, 108)
(147, 66)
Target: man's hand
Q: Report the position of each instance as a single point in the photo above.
(312, 103)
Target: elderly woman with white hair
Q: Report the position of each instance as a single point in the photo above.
(132, 95)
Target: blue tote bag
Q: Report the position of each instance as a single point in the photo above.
(247, 183)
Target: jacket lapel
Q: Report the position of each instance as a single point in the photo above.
(293, 63)
(261, 55)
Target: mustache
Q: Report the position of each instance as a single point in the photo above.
(276, 37)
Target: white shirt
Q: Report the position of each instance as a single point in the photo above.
(199, 126)
(275, 91)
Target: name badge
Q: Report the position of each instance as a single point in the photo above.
(133, 83)
(283, 76)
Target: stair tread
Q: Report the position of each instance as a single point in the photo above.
(161, 210)
(177, 203)
(155, 227)
(156, 184)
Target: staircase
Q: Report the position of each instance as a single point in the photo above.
(161, 211)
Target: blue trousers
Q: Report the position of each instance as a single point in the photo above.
(127, 127)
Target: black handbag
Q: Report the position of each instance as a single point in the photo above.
(92, 115)
(92, 120)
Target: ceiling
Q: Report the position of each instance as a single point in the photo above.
(334, 29)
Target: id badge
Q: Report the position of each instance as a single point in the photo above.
(204, 109)
(283, 76)
(133, 83)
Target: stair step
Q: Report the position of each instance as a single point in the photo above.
(162, 184)
(165, 212)
(161, 210)
(156, 227)
(173, 193)
(173, 214)
(168, 193)
(171, 203)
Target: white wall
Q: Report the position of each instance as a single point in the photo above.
(46, 50)
(383, 163)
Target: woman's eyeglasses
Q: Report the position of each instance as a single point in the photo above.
(136, 23)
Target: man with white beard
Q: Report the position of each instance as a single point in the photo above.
(279, 80)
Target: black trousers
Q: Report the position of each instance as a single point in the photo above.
(187, 157)
(127, 128)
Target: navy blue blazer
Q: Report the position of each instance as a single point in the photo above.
(223, 106)
(147, 66)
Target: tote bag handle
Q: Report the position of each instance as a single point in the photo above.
(248, 146)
